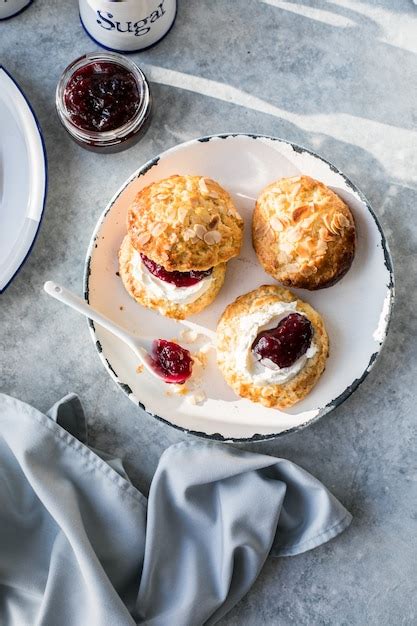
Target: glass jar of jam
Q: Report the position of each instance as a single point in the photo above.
(104, 102)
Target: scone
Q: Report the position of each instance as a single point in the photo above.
(181, 232)
(303, 233)
(271, 347)
(184, 223)
(171, 300)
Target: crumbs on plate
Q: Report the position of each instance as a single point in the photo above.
(176, 390)
(189, 336)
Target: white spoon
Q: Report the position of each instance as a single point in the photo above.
(141, 346)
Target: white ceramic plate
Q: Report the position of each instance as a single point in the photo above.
(22, 178)
(356, 310)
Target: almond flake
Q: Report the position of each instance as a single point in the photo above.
(298, 212)
(293, 235)
(325, 234)
(276, 224)
(203, 186)
(282, 257)
(188, 234)
(171, 214)
(321, 248)
(182, 214)
(159, 228)
(296, 189)
(286, 246)
(212, 237)
(200, 230)
(335, 223)
(303, 251)
(340, 221)
(168, 183)
(262, 231)
(329, 225)
(284, 219)
(143, 238)
(307, 221)
(343, 220)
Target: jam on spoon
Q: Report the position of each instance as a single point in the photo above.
(286, 343)
(171, 362)
(101, 96)
(179, 279)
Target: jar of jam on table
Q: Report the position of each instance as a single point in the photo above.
(104, 102)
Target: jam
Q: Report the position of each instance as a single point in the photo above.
(179, 279)
(104, 102)
(286, 343)
(172, 362)
(101, 96)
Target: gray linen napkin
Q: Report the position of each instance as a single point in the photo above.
(81, 546)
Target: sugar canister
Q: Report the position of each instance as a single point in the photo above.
(127, 25)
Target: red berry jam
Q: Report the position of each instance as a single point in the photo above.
(172, 362)
(101, 96)
(286, 343)
(179, 279)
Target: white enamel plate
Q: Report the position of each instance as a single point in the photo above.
(356, 310)
(22, 178)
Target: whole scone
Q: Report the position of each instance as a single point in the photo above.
(239, 329)
(184, 223)
(152, 293)
(303, 233)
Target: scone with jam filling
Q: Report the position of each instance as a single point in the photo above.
(271, 346)
(181, 232)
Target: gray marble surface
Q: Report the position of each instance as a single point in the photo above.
(338, 77)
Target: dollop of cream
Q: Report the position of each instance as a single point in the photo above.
(167, 291)
(265, 371)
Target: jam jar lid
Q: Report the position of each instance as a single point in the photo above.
(95, 62)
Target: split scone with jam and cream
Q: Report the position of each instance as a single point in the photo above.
(303, 233)
(181, 231)
(271, 347)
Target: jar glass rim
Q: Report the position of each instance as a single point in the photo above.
(115, 135)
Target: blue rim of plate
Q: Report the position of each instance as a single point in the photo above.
(330, 405)
(45, 192)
